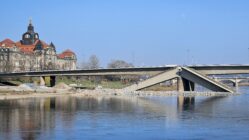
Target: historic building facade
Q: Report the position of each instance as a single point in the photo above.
(33, 54)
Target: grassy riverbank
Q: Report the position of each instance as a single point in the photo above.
(90, 84)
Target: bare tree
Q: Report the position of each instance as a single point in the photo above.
(84, 65)
(92, 63)
(119, 64)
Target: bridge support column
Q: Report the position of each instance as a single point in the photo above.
(42, 81)
(52, 81)
(236, 83)
(185, 85)
(180, 87)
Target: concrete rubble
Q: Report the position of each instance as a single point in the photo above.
(32, 90)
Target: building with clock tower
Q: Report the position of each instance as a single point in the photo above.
(33, 54)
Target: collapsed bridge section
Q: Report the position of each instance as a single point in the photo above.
(187, 78)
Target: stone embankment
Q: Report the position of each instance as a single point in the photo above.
(61, 89)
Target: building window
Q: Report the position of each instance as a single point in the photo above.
(36, 36)
(27, 36)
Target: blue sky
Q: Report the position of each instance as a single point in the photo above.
(145, 32)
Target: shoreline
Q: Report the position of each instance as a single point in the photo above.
(9, 94)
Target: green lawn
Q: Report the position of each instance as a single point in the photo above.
(93, 84)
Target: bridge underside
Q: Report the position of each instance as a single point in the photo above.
(187, 78)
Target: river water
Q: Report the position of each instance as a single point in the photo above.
(126, 118)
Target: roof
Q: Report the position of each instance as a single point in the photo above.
(25, 48)
(52, 45)
(66, 53)
(7, 43)
(44, 44)
(30, 48)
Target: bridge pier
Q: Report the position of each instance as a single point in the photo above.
(42, 80)
(185, 85)
(52, 81)
(235, 84)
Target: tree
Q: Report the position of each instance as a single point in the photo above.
(84, 65)
(92, 63)
(119, 64)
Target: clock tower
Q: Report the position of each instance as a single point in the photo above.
(29, 37)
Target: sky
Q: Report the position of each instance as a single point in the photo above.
(142, 32)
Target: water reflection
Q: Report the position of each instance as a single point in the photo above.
(185, 103)
(29, 117)
(55, 118)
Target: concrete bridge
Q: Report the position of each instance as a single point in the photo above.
(187, 75)
(234, 80)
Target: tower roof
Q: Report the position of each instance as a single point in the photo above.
(65, 54)
(52, 45)
(30, 36)
(30, 27)
(7, 43)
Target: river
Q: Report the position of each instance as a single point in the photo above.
(126, 118)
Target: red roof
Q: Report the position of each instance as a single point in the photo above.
(66, 53)
(30, 48)
(25, 48)
(7, 43)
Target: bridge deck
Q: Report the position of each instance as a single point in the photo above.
(167, 75)
(207, 70)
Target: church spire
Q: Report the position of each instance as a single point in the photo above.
(30, 21)
(30, 27)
